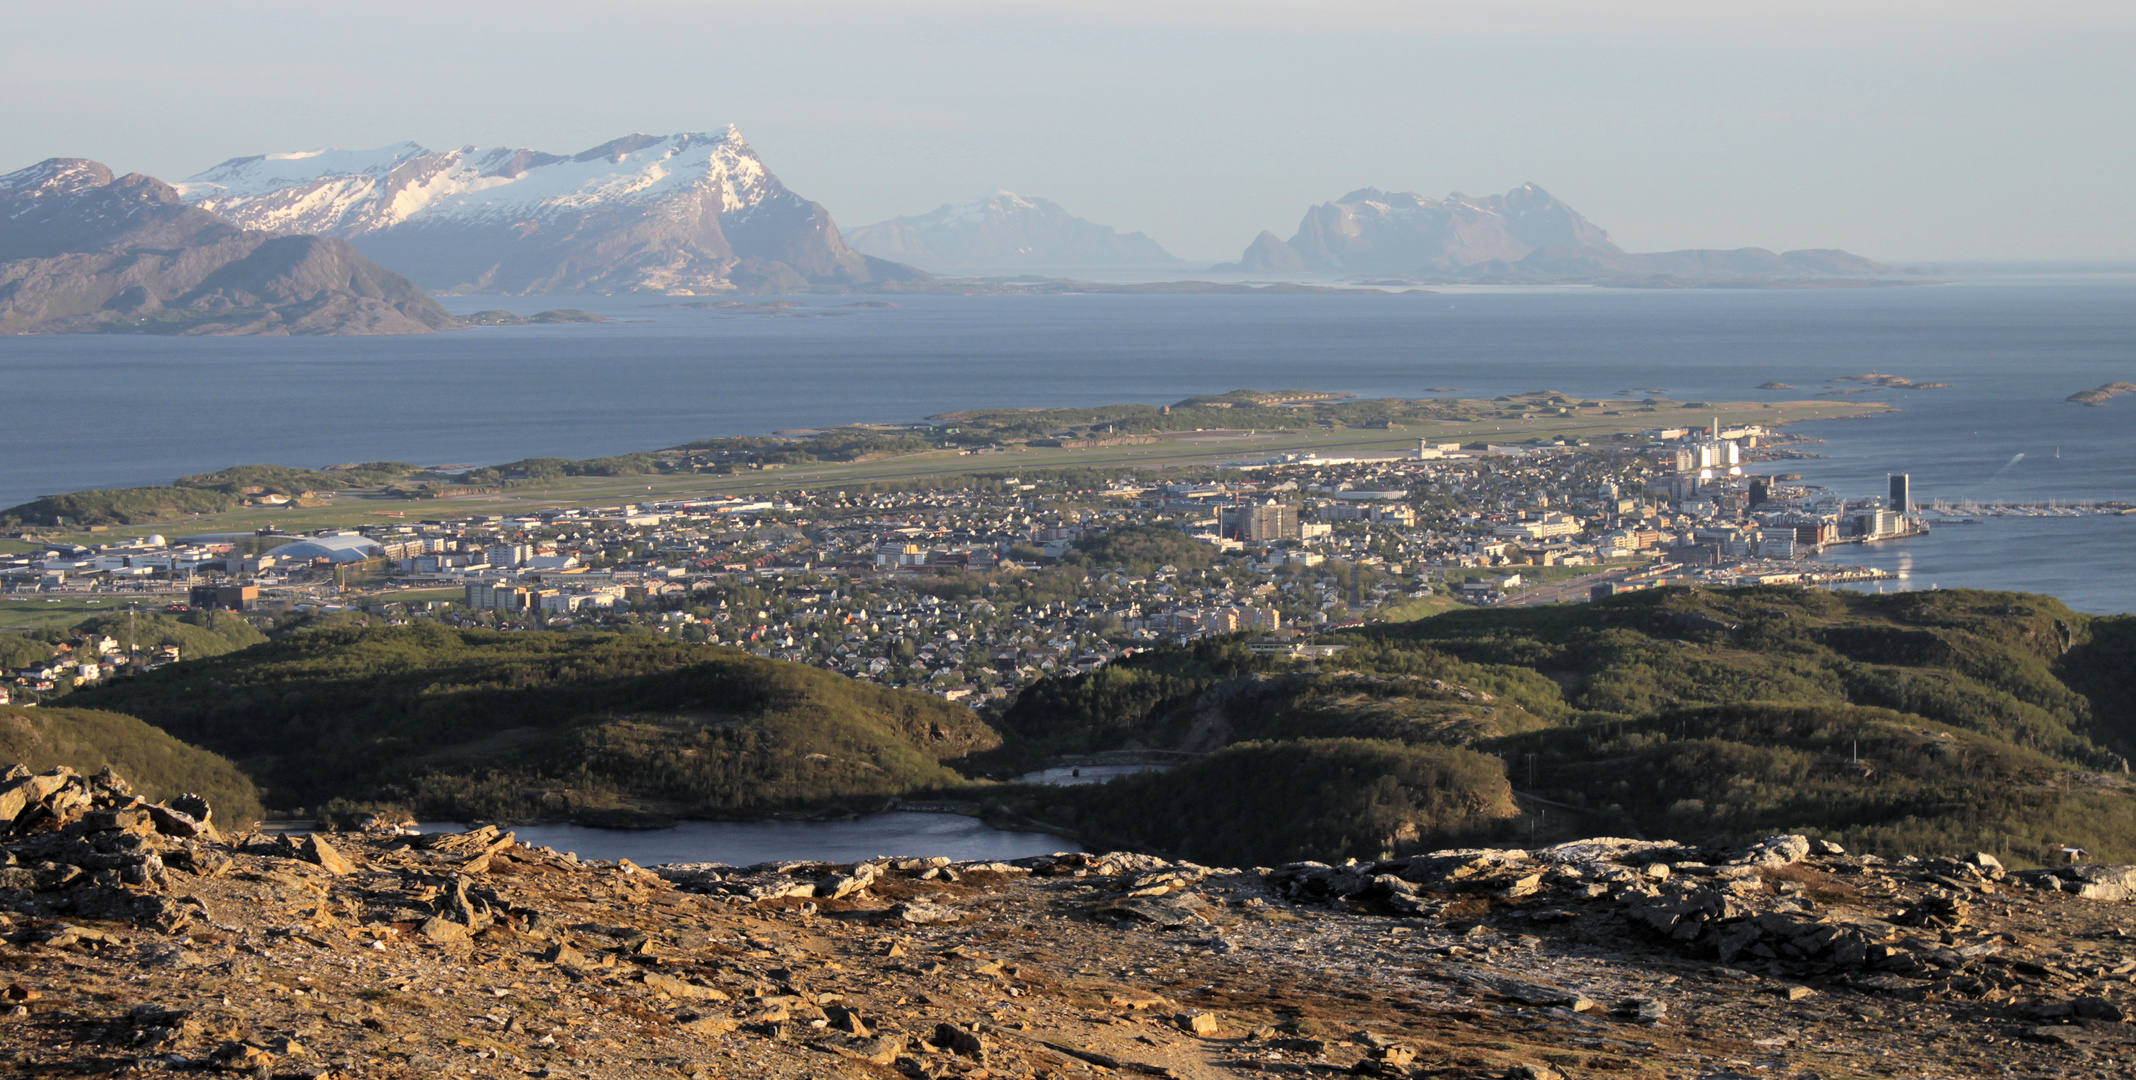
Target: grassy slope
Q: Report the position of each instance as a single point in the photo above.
(157, 765)
(483, 723)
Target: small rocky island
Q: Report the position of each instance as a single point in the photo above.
(500, 317)
(1892, 382)
(2103, 394)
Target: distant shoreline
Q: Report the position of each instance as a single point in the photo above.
(998, 440)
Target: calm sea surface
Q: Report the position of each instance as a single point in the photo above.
(80, 412)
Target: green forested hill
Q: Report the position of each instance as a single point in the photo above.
(469, 722)
(157, 765)
(1915, 722)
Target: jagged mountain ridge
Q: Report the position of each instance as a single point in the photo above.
(84, 251)
(679, 214)
(1526, 234)
(1006, 231)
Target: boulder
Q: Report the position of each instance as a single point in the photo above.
(564, 955)
(1774, 851)
(1472, 870)
(174, 822)
(442, 931)
(315, 849)
(878, 1050)
(1612, 851)
(708, 1025)
(23, 789)
(921, 911)
(694, 876)
(963, 1043)
(1522, 990)
(840, 886)
(1533, 1071)
(195, 807)
(847, 1021)
(1166, 911)
(677, 988)
(2088, 880)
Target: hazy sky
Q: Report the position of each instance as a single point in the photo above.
(1899, 130)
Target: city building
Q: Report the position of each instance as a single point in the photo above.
(1260, 522)
(342, 548)
(1901, 501)
(224, 597)
(1877, 523)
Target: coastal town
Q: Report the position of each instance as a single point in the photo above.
(973, 591)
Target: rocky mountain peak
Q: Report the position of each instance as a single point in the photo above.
(683, 213)
(76, 205)
(56, 176)
(1524, 235)
(82, 250)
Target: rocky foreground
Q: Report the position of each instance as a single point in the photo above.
(140, 941)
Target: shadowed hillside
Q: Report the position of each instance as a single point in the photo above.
(467, 722)
(159, 766)
(1900, 724)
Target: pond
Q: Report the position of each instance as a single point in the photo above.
(745, 843)
(1067, 775)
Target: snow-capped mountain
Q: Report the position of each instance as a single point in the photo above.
(678, 214)
(82, 250)
(1527, 234)
(1007, 232)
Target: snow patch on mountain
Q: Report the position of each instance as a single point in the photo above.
(682, 214)
(351, 193)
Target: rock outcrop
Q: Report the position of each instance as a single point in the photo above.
(84, 251)
(375, 954)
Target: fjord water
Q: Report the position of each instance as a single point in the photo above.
(103, 411)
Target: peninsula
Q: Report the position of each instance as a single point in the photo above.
(1197, 432)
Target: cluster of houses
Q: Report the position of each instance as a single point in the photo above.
(78, 662)
(963, 591)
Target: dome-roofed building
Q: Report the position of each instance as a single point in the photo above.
(341, 549)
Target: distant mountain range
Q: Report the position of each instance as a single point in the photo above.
(318, 241)
(83, 251)
(1007, 232)
(683, 214)
(1525, 235)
